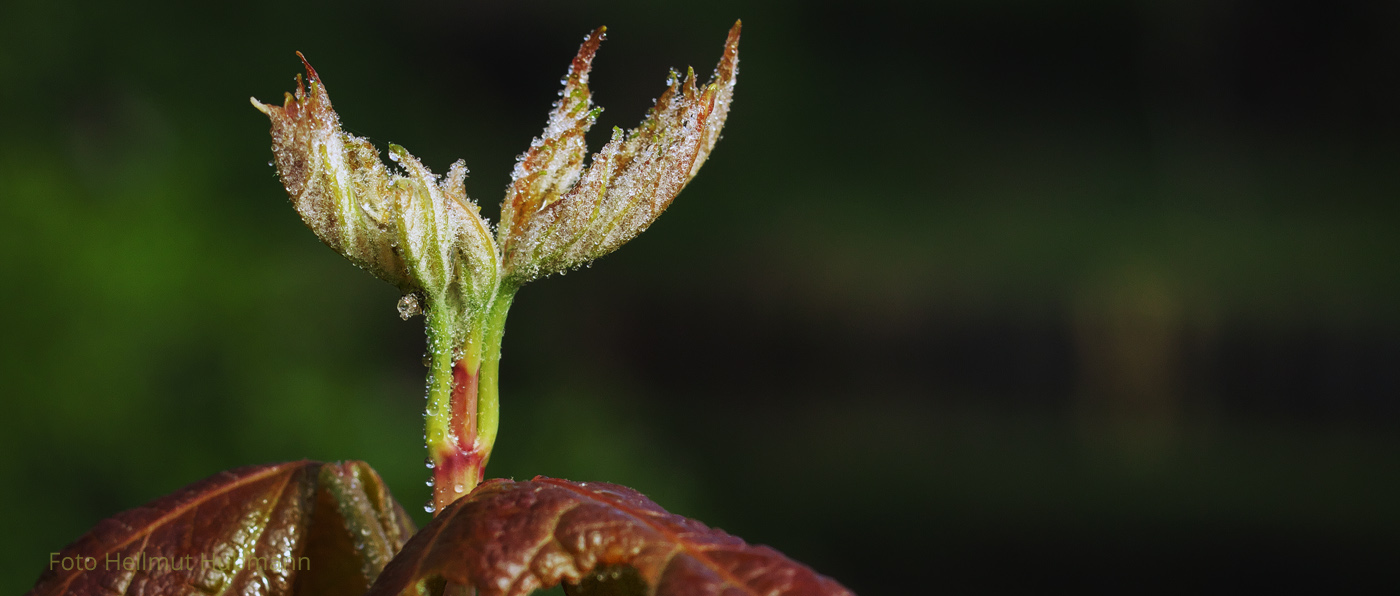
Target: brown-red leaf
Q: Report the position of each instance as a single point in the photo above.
(509, 538)
(292, 528)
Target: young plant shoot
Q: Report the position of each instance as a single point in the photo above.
(424, 235)
(333, 528)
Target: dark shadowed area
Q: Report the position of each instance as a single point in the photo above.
(971, 297)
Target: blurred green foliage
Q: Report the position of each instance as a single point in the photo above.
(1081, 289)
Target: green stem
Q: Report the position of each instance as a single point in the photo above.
(438, 424)
(463, 397)
(488, 396)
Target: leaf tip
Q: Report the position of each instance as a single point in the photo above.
(310, 72)
(583, 61)
(728, 63)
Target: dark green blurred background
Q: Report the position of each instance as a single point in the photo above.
(972, 296)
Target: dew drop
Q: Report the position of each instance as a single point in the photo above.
(409, 306)
(458, 488)
(429, 463)
(429, 507)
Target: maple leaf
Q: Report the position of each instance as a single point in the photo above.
(510, 538)
(299, 527)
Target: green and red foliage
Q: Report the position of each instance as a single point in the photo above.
(331, 529)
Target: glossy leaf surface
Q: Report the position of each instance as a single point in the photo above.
(509, 538)
(292, 528)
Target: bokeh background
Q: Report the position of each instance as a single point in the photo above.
(973, 296)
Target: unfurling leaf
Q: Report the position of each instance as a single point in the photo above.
(410, 229)
(293, 528)
(509, 538)
(555, 218)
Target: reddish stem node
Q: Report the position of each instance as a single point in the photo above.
(459, 462)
